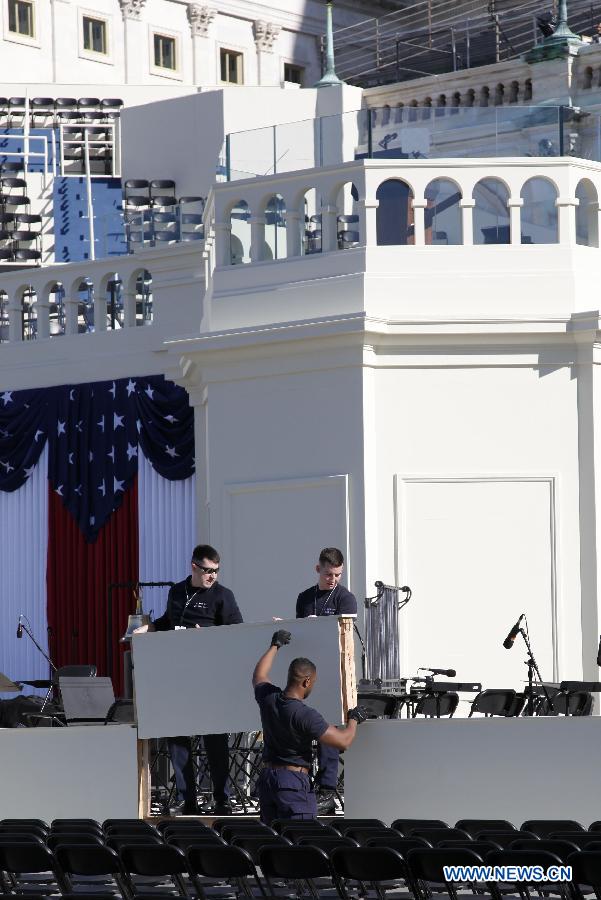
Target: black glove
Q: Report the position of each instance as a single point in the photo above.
(359, 714)
(280, 638)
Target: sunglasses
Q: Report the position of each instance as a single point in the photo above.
(206, 569)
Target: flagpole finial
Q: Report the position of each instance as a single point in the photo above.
(329, 77)
(563, 41)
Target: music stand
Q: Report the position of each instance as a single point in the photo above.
(86, 701)
(7, 686)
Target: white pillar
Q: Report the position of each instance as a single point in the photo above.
(266, 34)
(135, 40)
(15, 319)
(223, 249)
(368, 231)
(257, 238)
(467, 221)
(515, 220)
(201, 18)
(419, 222)
(100, 310)
(293, 232)
(129, 308)
(43, 317)
(71, 315)
(329, 228)
(567, 219)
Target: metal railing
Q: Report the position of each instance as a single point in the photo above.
(431, 38)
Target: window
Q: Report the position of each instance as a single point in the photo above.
(293, 74)
(164, 52)
(231, 67)
(20, 17)
(94, 35)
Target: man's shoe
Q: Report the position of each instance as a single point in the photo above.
(182, 808)
(222, 809)
(326, 802)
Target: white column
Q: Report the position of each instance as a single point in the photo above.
(467, 221)
(100, 310)
(293, 232)
(43, 317)
(567, 219)
(135, 41)
(368, 231)
(129, 308)
(266, 34)
(419, 222)
(223, 250)
(15, 319)
(201, 18)
(257, 238)
(329, 222)
(71, 315)
(515, 220)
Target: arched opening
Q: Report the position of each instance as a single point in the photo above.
(514, 92)
(143, 289)
(587, 79)
(312, 237)
(587, 214)
(30, 313)
(56, 309)
(3, 317)
(398, 113)
(539, 214)
(394, 215)
(470, 98)
(347, 220)
(443, 213)
(527, 90)
(113, 290)
(441, 105)
(427, 108)
(499, 94)
(239, 233)
(274, 246)
(491, 212)
(85, 307)
(484, 96)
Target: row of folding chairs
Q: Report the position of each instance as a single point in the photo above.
(50, 110)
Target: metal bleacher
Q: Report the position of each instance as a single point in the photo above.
(432, 37)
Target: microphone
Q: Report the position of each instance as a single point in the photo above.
(599, 653)
(19, 629)
(448, 673)
(509, 640)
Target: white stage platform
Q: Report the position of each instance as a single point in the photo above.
(75, 772)
(514, 769)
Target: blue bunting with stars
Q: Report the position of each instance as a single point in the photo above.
(93, 432)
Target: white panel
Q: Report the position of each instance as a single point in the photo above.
(477, 552)
(475, 768)
(273, 532)
(167, 528)
(54, 773)
(23, 550)
(198, 680)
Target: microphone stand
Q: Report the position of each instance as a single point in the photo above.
(363, 650)
(532, 670)
(53, 668)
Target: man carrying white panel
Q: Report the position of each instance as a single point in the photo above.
(289, 727)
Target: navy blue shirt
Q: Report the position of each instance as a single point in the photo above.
(289, 726)
(337, 602)
(188, 606)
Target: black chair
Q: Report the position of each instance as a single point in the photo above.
(87, 865)
(504, 838)
(232, 829)
(111, 107)
(6, 254)
(162, 192)
(582, 840)
(363, 835)
(407, 826)
(252, 843)
(253, 824)
(232, 864)
(12, 167)
(155, 861)
(586, 873)
(482, 847)
(327, 842)
(544, 827)
(344, 825)
(117, 841)
(492, 702)
(477, 826)
(435, 835)
(27, 256)
(306, 829)
(128, 826)
(561, 848)
(372, 866)
(58, 838)
(31, 867)
(16, 108)
(88, 104)
(41, 107)
(306, 865)
(426, 868)
(436, 706)
(24, 826)
(534, 857)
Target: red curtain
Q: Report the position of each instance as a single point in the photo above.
(78, 576)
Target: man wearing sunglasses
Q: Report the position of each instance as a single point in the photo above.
(198, 602)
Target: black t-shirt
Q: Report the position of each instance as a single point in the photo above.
(188, 606)
(289, 726)
(337, 602)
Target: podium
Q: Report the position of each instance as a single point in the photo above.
(198, 680)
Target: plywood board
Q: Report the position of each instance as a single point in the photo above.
(513, 769)
(198, 680)
(70, 773)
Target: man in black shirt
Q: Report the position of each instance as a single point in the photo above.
(198, 602)
(289, 727)
(327, 598)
